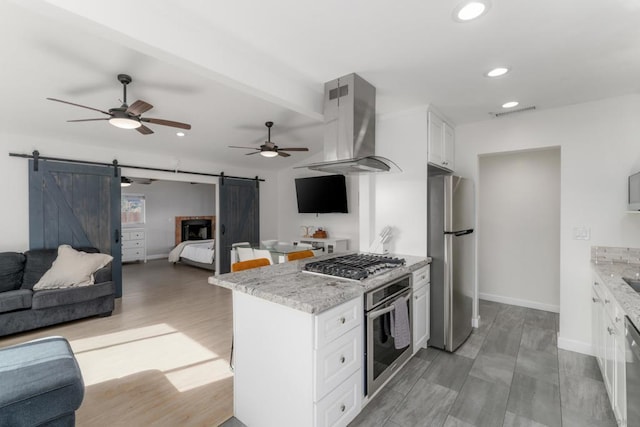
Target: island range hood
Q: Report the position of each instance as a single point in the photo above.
(350, 129)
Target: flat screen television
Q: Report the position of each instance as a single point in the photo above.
(322, 194)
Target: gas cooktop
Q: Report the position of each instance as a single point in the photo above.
(354, 267)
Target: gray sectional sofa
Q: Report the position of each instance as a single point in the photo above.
(22, 308)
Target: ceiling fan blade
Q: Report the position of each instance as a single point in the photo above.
(78, 105)
(293, 149)
(255, 152)
(87, 120)
(280, 153)
(139, 107)
(144, 130)
(166, 123)
(248, 148)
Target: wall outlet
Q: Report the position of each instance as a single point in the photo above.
(581, 233)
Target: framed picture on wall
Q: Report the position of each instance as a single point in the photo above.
(132, 209)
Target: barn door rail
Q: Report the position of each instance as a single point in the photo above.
(37, 157)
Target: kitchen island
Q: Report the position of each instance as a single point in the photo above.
(298, 343)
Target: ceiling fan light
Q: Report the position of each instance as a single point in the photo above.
(269, 153)
(124, 123)
(125, 182)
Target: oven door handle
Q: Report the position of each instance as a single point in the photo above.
(375, 314)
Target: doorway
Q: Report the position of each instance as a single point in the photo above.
(519, 228)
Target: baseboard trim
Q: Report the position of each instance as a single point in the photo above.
(161, 256)
(520, 302)
(573, 345)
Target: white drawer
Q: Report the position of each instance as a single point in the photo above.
(336, 361)
(137, 234)
(132, 254)
(125, 236)
(335, 322)
(132, 243)
(342, 405)
(421, 277)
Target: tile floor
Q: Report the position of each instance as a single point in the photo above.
(508, 373)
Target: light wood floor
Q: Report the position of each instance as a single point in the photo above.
(162, 358)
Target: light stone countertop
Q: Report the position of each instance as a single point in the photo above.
(286, 284)
(628, 299)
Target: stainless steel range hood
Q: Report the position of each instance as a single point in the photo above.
(350, 129)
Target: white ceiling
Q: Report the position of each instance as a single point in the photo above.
(226, 67)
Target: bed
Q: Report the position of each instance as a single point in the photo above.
(198, 253)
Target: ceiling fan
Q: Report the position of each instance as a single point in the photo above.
(128, 116)
(269, 149)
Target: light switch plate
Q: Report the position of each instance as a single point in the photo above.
(581, 233)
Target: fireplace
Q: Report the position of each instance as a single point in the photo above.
(194, 228)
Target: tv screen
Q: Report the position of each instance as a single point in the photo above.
(322, 194)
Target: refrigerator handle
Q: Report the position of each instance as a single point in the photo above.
(460, 233)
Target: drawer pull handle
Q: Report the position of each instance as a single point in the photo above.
(342, 320)
(342, 359)
(342, 408)
(611, 332)
(595, 284)
(606, 301)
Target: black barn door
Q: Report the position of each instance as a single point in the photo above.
(78, 205)
(239, 216)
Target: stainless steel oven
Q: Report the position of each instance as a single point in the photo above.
(382, 358)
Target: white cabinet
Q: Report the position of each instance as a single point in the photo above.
(297, 368)
(328, 246)
(134, 246)
(441, 142)
(609, 345)
(421, 303)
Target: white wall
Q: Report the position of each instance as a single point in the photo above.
(600, 148)
(519, 228)
(164, 201)
(290, 221)
(14, 213)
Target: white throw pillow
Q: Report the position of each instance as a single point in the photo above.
(72, 269)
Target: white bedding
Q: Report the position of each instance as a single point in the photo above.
(195, 250)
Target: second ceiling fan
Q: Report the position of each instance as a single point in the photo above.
(269, 149)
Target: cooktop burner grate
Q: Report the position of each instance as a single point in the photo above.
(355, 267)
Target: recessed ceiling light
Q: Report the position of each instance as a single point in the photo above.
(510, 104)
(497, 72)
(470, 10)
(180, 133)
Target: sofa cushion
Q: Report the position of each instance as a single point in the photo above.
(11, 269)
(59, 297)
(19, 299)
(41, 383)
(38, 261)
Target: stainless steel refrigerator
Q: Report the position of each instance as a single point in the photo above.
(451, 212)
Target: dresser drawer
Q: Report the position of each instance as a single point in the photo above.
(335, 322)
(125, 236)
(136, 235)
(132, 254)
(133, 243)
(342, 405)
(336, 361)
